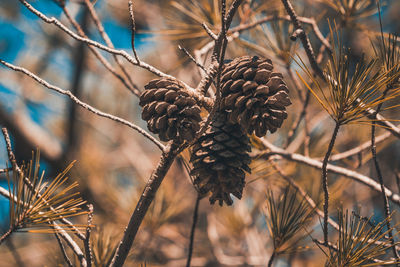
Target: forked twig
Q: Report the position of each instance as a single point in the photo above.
(204, 101)
(109, 43)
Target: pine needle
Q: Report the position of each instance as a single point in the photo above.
(360, 242)
(286, 216)
(37, 206)
(350, 94)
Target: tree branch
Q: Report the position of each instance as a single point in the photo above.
(143, 204)
(303, 37)
(83, 104)
(273, 150)
(204, 101)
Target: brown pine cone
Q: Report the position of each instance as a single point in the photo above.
(220, 158)
(254, 95)
(169, 111)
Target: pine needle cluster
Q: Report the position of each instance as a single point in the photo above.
(287, 217)
(35, 204)
(360, 242)
(351, 92)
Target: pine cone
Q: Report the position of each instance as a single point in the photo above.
(169, 111)
(220, 159)
(254, 95)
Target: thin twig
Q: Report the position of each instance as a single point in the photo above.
(198, 64)
(360, 148)
(386, 206)
(63, 251)
(303, 37)
(5, 170)
(271, 259)
(83, 104)
(86, 242)
(131, 87)
(6, 235)
(297, 122)
(209, 31)
(325, 180)
(305, 20)
(71, 243)
(109, 43)
(133, 29)
(296, 83)
(384, 123)
(193, 229)
(219, 45)
(5, 193)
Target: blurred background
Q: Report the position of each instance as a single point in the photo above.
(114, 162)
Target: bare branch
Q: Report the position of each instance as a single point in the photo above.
(305, 20)
(133, 29)
(131, 87)
(63, 251)
(193, 229)
(71, 243)
(209, 31)
(360, 148)
(86, 242)
(198, 64)
(219, 49)
(303, 37)
(143, 204)
(383, 122)
(83, 104)
(5, 170)
(331, 168)
(204, 101)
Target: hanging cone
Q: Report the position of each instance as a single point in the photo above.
(220, 158)
(254, 95)
(169, 111)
